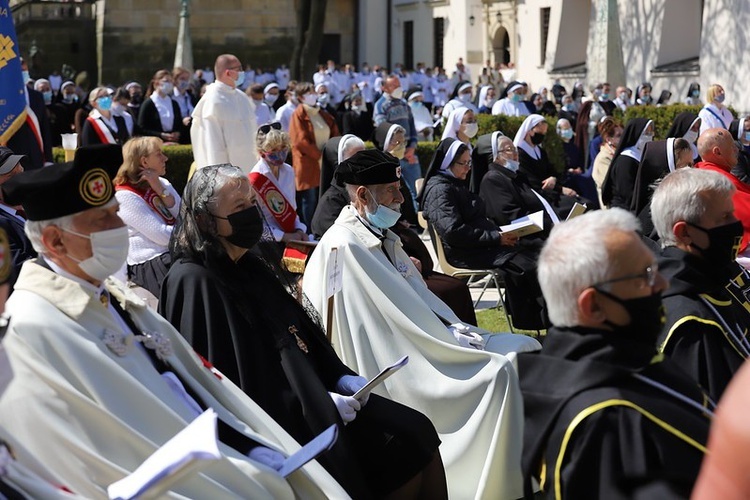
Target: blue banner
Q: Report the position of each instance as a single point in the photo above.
(12, 95)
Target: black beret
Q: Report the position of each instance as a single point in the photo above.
(369, 167)
(66, 188)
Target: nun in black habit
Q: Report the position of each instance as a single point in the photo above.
(742, 169)
(619, 185)
(234, 310)
(471, 240)
(686, 125)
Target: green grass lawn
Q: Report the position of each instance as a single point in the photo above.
(494, 320)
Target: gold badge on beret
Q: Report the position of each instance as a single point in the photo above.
(95, 187)
(6, 258)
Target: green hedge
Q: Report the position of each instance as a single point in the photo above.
(178, 165)
(181, 157)
(662, 116)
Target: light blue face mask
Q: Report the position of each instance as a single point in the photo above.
(240, 79)
(105, 103)
(512, 165)
(747, 136)
(383, 217)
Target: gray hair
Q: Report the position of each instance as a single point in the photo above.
(575, 257)
(195, 233)
(683, 196)
(34, 228)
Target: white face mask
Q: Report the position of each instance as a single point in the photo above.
(511, 165)
(691, 136)
(464, 98)
(397, 93)
(109, 250)
(270, 99)
(471, 129)
(310, 99)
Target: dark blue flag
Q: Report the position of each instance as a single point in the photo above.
(12, 96)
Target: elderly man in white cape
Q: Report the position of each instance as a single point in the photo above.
(460, 376)
(99, 381)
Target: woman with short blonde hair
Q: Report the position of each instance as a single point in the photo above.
(714, 114)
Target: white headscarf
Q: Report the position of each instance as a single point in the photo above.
(483, 96)
(454, 123)
(670, 154)
(345, 141)
(493, 140)
(449, 156)
(394, 128)
(632, 151)
(519, 141)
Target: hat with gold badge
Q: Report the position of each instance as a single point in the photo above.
(67, 188)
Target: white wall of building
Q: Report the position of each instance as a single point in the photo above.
(371, 31)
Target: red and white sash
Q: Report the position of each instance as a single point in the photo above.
(102, 130)
(275, 201)
(33, 123)
(153, 200)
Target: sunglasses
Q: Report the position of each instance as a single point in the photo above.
(264, 129)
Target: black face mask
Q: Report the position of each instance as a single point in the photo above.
(136, 99)
(537, 138)
(647, 318)
(247, 227)
(723, 243)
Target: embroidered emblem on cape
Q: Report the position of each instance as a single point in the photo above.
(122, 344)
(95, 187)
(402, 268)
(300, 343)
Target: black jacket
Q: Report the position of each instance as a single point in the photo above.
(694, 336)
(150, 123)
(599, 432)
(470, 239)
(24, 141)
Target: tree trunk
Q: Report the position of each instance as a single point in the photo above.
(302, 10)
(313, 39)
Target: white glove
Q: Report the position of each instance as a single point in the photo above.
(350, 384)
(465, 337)
(346, 405)
(267, 456)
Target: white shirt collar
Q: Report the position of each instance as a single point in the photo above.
(65, 274)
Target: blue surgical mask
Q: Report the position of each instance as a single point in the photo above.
(25, 76)
(240, 79)
(383, 217)
(105, 103)
(465, 98)
(696, 93)
(719, 98)
(70, 98)
(604, 97)
(516, 97)
(47, 97)
(512, 165)
(747, 136)
(567, 134)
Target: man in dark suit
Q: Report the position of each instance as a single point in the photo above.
(10, 219)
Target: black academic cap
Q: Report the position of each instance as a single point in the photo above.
(67, 188)
(369, 167)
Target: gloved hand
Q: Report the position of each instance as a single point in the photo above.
(267, 456)
(465, 337)
(350, 384)
(346, 405)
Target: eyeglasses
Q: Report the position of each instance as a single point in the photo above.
(264, 129)
(647, 277)
(466, 164)
(509, 149)
(236, 68)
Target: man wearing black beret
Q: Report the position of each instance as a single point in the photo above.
(384, 310)
(99, 380)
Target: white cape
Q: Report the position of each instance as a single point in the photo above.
(385, 311)
(80, 414)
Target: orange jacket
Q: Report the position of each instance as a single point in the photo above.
(305, 154)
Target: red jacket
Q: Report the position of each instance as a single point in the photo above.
(741, 199)
(305, 154)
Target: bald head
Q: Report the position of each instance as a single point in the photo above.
(391, 83)
(716, 145)
(224, 64)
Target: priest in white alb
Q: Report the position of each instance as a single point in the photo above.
(462, 377)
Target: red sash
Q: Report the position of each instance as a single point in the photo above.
(102, 131)
(275, 201)
(153, 200)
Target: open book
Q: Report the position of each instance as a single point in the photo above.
(191, 450)
(530, 224)
(578, 209)
(380, 378)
